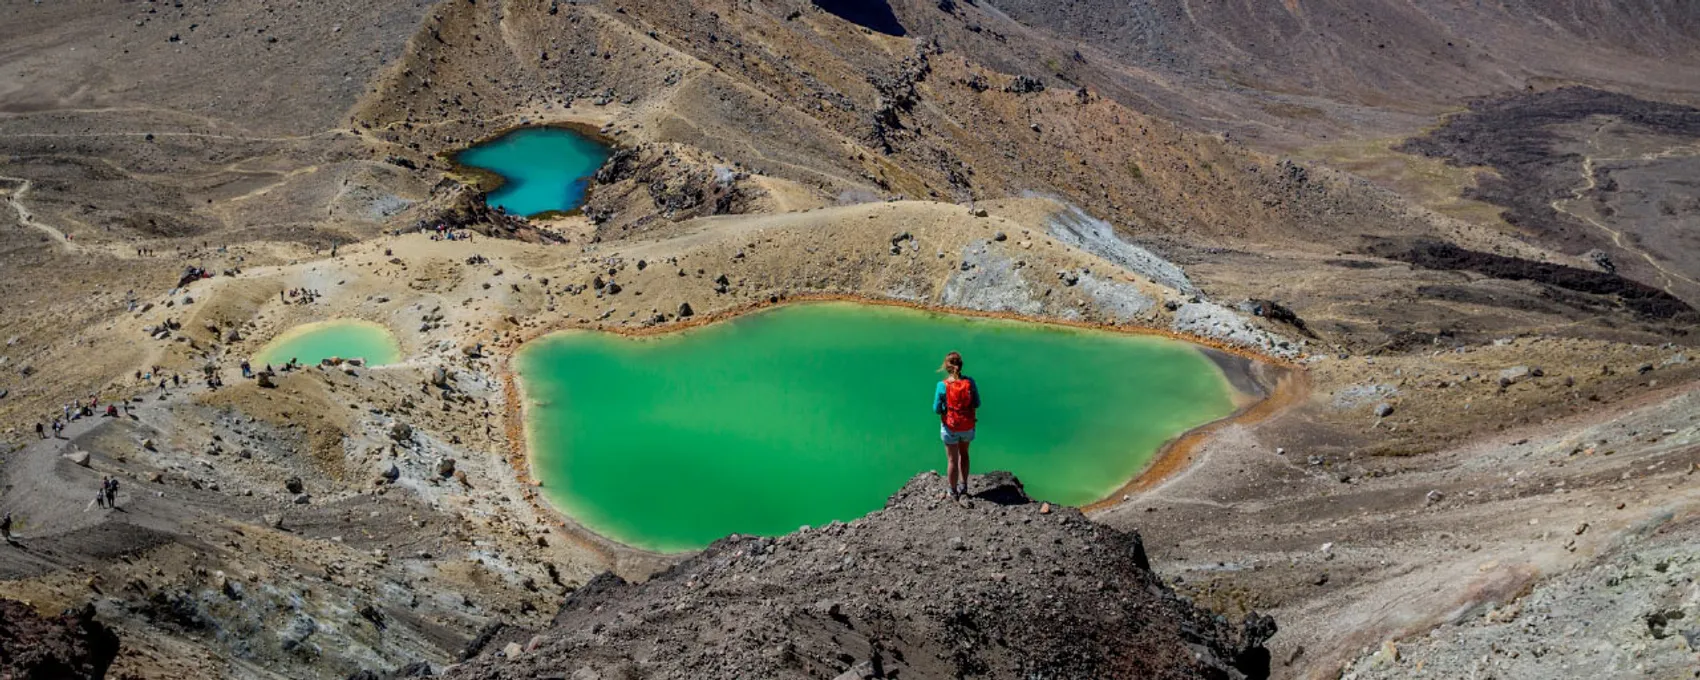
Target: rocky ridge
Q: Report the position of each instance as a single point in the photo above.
(997, 586)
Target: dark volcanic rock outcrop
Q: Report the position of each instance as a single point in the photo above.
(1536, 159)
(1644, 300)
(70, 645)
(1001, 587)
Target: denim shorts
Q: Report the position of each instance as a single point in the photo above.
(951, 437)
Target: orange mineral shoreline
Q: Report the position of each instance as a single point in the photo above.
(1291, 385)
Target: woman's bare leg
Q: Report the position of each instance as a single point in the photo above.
(951, 465)
(962, 464)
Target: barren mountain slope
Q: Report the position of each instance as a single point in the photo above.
(1351, 66)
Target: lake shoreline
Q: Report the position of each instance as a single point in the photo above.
(487, 181)
(1283, 384)
(299, 331)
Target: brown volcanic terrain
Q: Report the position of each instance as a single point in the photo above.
(1485, 274)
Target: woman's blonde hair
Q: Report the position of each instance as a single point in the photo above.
(952, 364)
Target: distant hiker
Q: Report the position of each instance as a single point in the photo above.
(109, 488)
(247, 370)
(40, 430)
(6, 528)
(955, 401)
(99, 495)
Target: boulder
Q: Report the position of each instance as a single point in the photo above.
(446, 468)
(401, 432)
(392, 473)
(303, 499)
(78, 457)
(294, 485)
(1513, 375)
(685, 310)
(1383, 409)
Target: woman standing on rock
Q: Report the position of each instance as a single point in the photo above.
(955, 401)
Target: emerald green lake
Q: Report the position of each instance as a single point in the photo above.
(543, 169)
(345, 338)
(811, 413)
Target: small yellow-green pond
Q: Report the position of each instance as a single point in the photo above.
(811, 413)
(343, 338)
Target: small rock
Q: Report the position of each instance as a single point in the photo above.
(302, 499)
(446, 468)
(401, 432)
(1321, 579)
(1435, 496)
(1389, 651)
(512, 650)
(78, 457)
(1000, 236)
(294, 485)
(1044, 508)
(685, 310)
(1383, 409)
(392, 473)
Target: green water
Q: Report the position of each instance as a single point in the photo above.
(811, 413)
(543, 168)
(345, 338)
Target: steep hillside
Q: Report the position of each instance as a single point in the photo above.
(1347, 65)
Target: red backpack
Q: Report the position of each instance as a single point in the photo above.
(959, 405)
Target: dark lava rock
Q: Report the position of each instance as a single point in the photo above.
(293, 484)
(1275, 311)
(1025, 85)
(69, 646)
(1646, 301)
(989, 588)
(685, 310)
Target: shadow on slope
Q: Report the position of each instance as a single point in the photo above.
(874, 15)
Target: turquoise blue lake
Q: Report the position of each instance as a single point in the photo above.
(543, 169)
